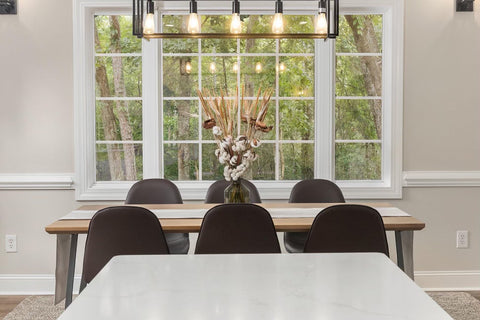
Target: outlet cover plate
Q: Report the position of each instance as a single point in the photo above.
(462, 239)
(11, 243)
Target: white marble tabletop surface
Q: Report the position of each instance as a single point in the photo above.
(336, 286)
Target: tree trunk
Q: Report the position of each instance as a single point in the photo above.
(122, 106)
(108, 118)
(249, 44)
(183, 107)
(248, 82)
(366, 41)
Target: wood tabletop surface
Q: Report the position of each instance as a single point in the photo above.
(193, 225)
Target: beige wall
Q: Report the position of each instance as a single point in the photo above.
(441, 87)
(441, 128)
(36, 88)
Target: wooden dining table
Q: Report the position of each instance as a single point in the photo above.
(69, 227)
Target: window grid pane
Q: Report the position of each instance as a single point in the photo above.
(118, 103)
(359, 98)
(212, 63)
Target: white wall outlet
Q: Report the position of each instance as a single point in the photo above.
(11, 243)
(462, 239)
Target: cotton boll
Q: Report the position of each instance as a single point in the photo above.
(255, 143)
(216, 131)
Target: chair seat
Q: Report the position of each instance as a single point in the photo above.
(178, 243)
(295, 241)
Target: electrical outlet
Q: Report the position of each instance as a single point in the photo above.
(11, 243)
(462, 239)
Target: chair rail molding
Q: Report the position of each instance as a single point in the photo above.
(441, 178)
(58, 181)
(36, 181)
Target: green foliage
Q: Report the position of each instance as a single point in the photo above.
(358, 161)
(346, 42)
(171, 152)
(297, 120)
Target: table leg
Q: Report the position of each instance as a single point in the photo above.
(404, 243)
(65, 267)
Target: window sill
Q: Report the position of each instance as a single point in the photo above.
(269, 190)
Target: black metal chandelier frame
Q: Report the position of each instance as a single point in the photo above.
(332, 16)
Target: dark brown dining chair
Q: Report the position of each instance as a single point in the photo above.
(237, 228)
(215, 193)
(347, 228)
(160, 191)
(122, 230)
(310, 191)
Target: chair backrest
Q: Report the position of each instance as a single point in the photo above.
(347, 228)
(121, 230)
(215, 191)
(153, 191)
(237, 228)
(316, 190)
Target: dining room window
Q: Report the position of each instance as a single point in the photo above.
(336, 106)
(286, 66)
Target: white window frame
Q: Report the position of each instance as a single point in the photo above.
(388, 188)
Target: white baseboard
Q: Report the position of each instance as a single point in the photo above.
(32, 284)
(465, 280)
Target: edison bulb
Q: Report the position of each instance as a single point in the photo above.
(149, 24)
(236, 24)
(235, 67)
(258, 67)
(282, 67)
(321, 23)
(213, 67)
(188, 67)
(277, 25)
(193, 25)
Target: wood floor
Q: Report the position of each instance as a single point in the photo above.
(8, 303)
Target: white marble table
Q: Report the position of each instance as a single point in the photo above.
(350, 286)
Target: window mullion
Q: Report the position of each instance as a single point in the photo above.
(150, 113)
(200, 137)
(324, 109)
(277, 112)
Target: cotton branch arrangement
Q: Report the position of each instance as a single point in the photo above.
(221, 114)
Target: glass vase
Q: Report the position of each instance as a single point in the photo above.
(237, 192)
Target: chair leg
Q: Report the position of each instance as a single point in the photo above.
(83, 284)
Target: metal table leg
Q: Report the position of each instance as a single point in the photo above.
(404, 243)
(65, 267)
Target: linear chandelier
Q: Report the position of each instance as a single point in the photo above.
(325, 25)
